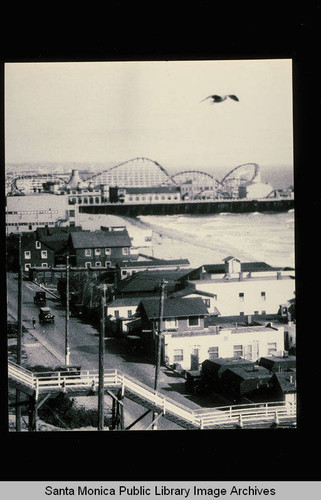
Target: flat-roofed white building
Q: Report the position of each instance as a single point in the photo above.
(28, 213)
(245, 288)
(190, 349)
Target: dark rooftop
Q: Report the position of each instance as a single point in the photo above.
(155, 262)
(175, 307)
(150, 281)
(93, 239)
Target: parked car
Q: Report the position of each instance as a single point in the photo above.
(40, 299)
(45, 315)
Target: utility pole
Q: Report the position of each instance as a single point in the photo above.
(67, 349)
(101, 389)
(19, 333)
(159, 341)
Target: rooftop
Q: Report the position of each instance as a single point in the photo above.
(149, 281)
(93, 239)
(286, 381)
(155, 263)
(175, 307)
(247, 372)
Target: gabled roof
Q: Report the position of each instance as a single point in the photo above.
(124, 302)
(175, 307)
(29, 244)
(47, 231)
(102, 239)
(286, 381)
(57, 241)
(190, 289)
(148, 281)
(230, 257)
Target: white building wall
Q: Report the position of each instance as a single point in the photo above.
(27, 213)
(230, 303)
(255, 343)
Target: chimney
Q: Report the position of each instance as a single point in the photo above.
(278, 275)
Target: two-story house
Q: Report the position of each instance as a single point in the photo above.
(36, 253)
(98, 248)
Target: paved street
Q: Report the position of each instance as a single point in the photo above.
(83, 342)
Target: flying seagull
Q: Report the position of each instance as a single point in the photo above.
(220, 98)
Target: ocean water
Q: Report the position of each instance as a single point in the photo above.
(252, 237)
(267, 237)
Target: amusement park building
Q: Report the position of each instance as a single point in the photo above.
(28, 213)
(139, 173)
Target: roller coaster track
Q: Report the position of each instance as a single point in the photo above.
(46, 177)
(132, 160)
(86, 381)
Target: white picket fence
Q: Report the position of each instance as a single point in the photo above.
(238, 415)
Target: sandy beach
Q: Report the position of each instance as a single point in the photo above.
(166, 243)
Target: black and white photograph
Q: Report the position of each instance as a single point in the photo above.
(150, 238)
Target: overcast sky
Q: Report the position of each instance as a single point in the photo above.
(112, 112)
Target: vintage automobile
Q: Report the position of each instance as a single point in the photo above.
(45, 315)
(40, 299)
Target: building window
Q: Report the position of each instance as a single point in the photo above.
(27, 254)
(194, 321)
(237, 351)
(98, 263)
(71, 213)
(178, 355)
(88, 252)
(248, 352)
(27, 267)
(170, 323)
(125, 251)
(38, 245)
(107, 263)
(116, 313)
(97, 251)
(271, 347)
(44, 254)
(241, 296)
(44, 264)
(124, 272)
(212, 352)
(107, 251)
(207, 302)
(87, 264)
(129, 313)
(263, 295)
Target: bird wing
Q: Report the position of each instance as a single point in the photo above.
(234, 97)
(206, 98)
(217, 98)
